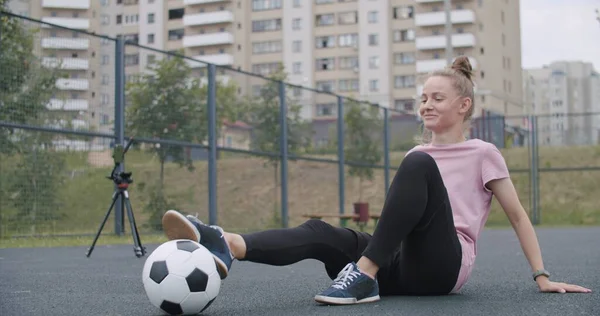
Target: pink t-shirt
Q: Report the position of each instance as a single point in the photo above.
(465, 168)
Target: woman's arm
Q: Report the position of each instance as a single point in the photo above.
(506, 195)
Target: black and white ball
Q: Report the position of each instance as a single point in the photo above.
(180, 277)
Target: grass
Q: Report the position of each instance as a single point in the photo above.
(247, 193)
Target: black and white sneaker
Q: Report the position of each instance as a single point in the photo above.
(350, 287)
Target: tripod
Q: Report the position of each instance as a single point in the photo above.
(121, 181)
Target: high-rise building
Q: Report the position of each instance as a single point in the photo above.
(68, 50)
(375, 50)
(566, 98)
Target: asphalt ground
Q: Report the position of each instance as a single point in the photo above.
(63, 281)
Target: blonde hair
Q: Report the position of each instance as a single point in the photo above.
(461, 73)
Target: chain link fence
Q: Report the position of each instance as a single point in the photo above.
(236, 149)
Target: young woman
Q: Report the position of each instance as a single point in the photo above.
(426, 240)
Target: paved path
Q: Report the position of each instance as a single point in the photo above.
(62, 281)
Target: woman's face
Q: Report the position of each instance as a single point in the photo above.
(442, 107)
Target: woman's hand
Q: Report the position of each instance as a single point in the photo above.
(548, 286)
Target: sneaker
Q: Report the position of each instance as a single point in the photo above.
(177, 226)
(350, 287)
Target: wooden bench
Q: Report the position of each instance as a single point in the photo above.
(343, 218)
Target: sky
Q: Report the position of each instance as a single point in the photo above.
(553, 30)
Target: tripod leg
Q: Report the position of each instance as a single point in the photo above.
(115, 197)
(137, 247)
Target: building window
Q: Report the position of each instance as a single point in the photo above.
(266, 47)
(404, 105)
(262, 5)
(150, 18)
(374, 62)
(265, 69)
(325, 64)
(297, 68)
(373, 39)
(176, 34)
(345, 18)
(374, 85)
(325, 41)
(266, 25)
(348, 40)
(176, 14)
(348, 62)
(372, 17)
(151, 38)
(403, 12)
(297, 46)
(403, 35)
(297, 24)
(326, 109)
(325, 19)
(401, 82)
(404, 58)
(327, 85)
(132, 59)
(346, 85)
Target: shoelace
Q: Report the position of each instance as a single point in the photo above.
(345, 277)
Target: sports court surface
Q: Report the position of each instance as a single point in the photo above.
(62, 281)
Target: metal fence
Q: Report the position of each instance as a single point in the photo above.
(238, 149)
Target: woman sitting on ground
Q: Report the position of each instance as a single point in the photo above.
(426, 240)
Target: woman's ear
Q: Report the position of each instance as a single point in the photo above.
(465, 105)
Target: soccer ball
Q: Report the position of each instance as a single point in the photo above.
(181, 278)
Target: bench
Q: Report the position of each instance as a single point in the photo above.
(344, 218)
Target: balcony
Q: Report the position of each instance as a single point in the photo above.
(424, 66)
(199, 40)
(68, 105)
(65, 43)
(73, 84)
(207, 18)
(66, 4)
(216, 59)
(192, 2)
(66, 63)
(72, 23)
(439, 41)
(439, 18)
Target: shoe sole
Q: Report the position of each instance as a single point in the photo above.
(177, 226)
(345, 300)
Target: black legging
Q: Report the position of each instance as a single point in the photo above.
(415, 243)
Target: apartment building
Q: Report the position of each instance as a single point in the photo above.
(376, 50)
(566, 98)
(69, 51)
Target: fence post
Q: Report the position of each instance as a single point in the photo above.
(119, 122)
(284, 154)
(536, 170)
(212, 145)
(386, 149)
(341, 158)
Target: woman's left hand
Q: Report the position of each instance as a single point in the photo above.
(548, 286)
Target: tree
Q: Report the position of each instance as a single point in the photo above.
(25, 90)
(25, 85)
(361, 144)
(168, 102)
(263, 114)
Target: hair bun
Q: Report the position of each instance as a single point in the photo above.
(463, 65)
